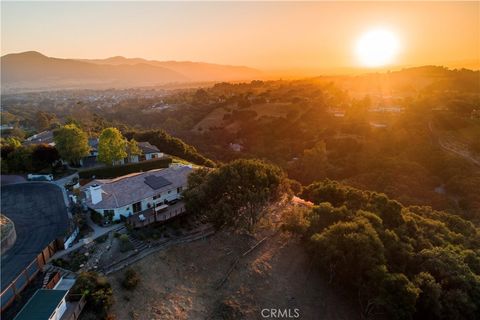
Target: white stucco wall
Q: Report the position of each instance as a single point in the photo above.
(126, 211)
(62, 307)
(150, 156)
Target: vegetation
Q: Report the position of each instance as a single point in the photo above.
(73, 263)
(98, 293)
(71, 143)
(116, 171)
(125, 243)
(236, 194)
(131, 279)
(171, 145)
(111, 146)
(400, 262)
(133, 149)
(28, 159)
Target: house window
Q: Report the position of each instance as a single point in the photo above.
(156, 196)
(169, 191)
(179, 190)
(108, 214)
(137, 207)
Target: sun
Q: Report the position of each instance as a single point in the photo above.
(377, 47)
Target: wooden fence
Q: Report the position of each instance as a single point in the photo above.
(76, 302)
(28, 274)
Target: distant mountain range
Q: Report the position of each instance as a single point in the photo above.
(34, 71)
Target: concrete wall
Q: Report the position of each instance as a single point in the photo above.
(68, 242)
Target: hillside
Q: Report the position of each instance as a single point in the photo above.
(195, 71)
(35, 71)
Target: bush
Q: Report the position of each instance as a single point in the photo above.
(96, 217)
(116, 171)
(131, 279)
(97, 291)
(125, 244)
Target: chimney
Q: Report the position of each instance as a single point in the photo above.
(96, 193)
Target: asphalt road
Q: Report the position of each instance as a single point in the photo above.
(40, 216)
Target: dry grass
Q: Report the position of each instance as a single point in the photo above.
(181, 282)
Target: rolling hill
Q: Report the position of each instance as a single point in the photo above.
(34, 71)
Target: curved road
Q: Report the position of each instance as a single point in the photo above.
(40, 215)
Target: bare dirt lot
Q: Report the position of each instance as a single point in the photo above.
(182, 282)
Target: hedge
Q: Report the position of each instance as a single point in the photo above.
(117, 171)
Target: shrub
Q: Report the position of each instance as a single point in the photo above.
(116, 171)
(125, 244)
(96, 217)
(131, 279)
(97, 291)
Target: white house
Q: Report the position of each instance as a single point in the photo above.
(149, 152)
(136, 192)
(45, 137)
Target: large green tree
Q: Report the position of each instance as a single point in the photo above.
(133, 149)
(71, 143)
(236, 194)
(111, 146)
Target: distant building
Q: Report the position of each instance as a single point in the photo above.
(378, 125)
(149, 152)
(131, 194)
(388, 109)
(237, 147)
(91, 159)
(45, 137)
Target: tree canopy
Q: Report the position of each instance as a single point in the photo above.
(71, 143)
(236, 194)
(111, 146)
(402, 262)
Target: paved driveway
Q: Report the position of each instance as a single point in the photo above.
(40, 216)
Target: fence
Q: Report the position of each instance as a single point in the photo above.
(151, 215)
(75, 304)
(26, 275)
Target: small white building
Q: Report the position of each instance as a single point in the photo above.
(136, 192)
(44, 304)
(149, 152)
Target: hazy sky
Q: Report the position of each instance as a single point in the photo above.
(266, 35)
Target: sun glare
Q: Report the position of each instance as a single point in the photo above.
(377, 48)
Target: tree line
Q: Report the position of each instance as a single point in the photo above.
(397, 262)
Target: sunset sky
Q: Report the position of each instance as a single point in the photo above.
(264, 35)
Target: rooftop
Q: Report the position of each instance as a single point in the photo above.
(147, 147)
(131, 188)
(41, 305)
(39, 138)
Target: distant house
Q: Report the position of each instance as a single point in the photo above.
(149, 152)
(93, 143)
(45, 137)
(237, 147)
(45, 304)
(131, 194)
(91, 159)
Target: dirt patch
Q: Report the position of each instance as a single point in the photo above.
(182, 282)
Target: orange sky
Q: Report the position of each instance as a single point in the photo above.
(300, 36)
